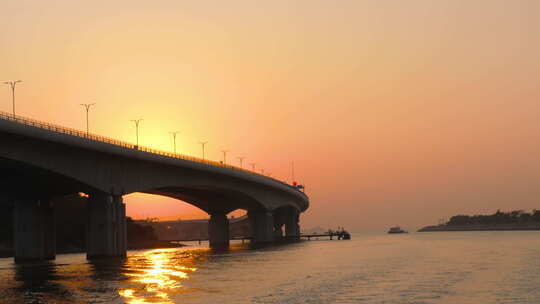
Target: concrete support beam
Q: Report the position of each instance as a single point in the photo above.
(99, 228)
(121, 235)
(49, 229)
(218, 230)
(34, 230)
(106, 232)
(262, 226)
(279, 221)
(292, 228)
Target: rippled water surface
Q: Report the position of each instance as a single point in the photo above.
(453, 267)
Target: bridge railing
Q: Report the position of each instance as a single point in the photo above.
(70, 131)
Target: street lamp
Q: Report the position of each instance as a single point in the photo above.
(87, 107)
(292, 172)
(13, 84)
(241, 159)
(202, 144)
(137, 121)
(174, 139)
(224, 156)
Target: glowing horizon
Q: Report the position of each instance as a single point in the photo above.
(394, 113)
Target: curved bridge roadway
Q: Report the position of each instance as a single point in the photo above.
(40, 161)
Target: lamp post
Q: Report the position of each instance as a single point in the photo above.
(12, 84)
(174, 139)
(202, 144)
(292, 172)
(224, 156)
(137, 121)
(87, 107)
(241, 160)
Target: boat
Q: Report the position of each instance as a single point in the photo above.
(396, 229)
(345, 235)
(341, 234)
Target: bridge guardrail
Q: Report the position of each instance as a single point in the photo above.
(65, 130)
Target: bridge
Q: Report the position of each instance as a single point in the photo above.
(40, 161)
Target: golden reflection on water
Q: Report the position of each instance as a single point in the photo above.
(155, 275)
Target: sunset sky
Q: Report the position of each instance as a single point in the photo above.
(394, 112)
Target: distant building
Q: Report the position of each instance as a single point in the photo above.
(194, 229)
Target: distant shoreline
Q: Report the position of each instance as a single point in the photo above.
(500, 227)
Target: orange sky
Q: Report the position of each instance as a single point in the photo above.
(395, 112)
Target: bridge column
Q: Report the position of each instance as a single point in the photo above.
(106, 232)
(34, 230)
(218, 230)
(49, 229)
(292, 228)
(279, 221)
(121, 232)
(262, 226)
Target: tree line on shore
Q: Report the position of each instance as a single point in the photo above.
(511, 217)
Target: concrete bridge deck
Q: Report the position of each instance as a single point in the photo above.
(43, 160)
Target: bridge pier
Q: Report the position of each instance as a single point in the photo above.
(218, 230)
(279, 221)
(121, 235)
(34, 230)
(292, 228)
(106, 227)
(262, 226)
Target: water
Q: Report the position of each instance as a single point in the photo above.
(453, 267)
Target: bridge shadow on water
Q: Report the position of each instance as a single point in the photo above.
(145, 276)
(37, 282)
(53, 282)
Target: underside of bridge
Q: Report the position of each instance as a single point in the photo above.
(31, 190)
(22, 180)
(266, 226)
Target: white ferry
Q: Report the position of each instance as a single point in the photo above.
(396, 229)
